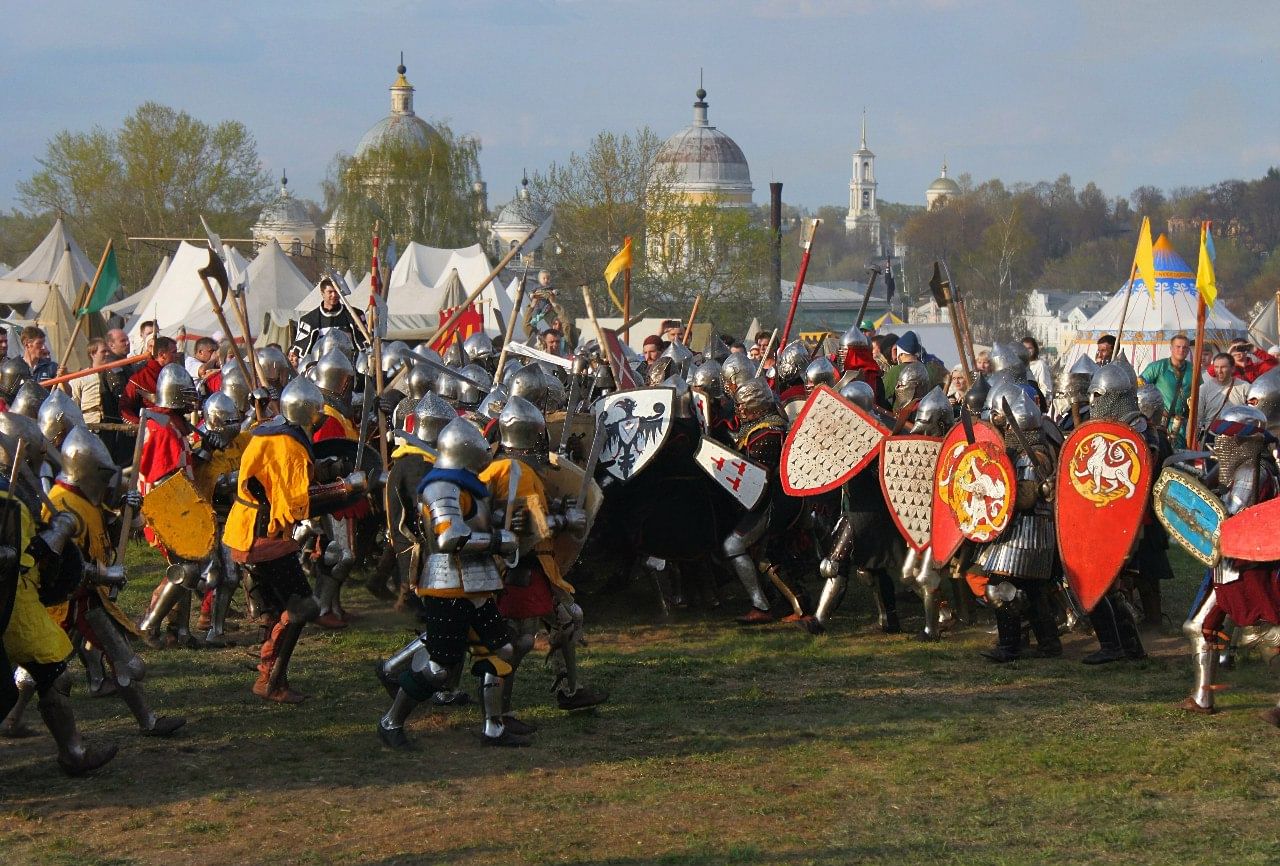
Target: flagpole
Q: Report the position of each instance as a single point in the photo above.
(1193, 407)
(85, 295)
(626, 305)
(1124, 310)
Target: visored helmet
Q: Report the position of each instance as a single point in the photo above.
(859, 393)
(754, 398)
(176, 390)
(709, 379)
(736, 370)
(221, 414)
(274, 366)
(820, 372)
(479, 347)
(523, 430)
(13, 372)
(336, 339)
(29, 399)
(469, 394)
(235, 385)
(58, 414)
(1264, 394)
(335, 375)
(913, 383)
(530, 383)
(791, 362)
(933, 414)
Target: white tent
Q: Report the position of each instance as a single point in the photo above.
(274, 282)
(1150, 324)
(58, 322)
(417, 288)
(142, 297)
(180, 296)
(1264, 325)
(25, 287)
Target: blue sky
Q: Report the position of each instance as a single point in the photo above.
(1121, 93)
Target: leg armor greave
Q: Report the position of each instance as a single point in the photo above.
(180, 579)
(491, 701)
(832, 594)
(126, 664)
(736, 546)
(1204, 655)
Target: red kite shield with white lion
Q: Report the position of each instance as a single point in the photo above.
(1104, 479)
(973, 490)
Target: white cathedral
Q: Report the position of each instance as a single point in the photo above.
(863, 218)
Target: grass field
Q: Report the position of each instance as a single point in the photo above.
(720, 745)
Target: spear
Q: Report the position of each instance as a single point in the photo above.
(795, 292)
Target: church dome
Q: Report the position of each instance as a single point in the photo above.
(284, 212)
(521, 213)
(401, 127)
(707, 162)
(944, 185)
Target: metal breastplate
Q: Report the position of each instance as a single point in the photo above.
(470, 572)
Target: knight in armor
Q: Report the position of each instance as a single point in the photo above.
(412, 459)
(708, 382)
(788, 379)
(274, 494)
(13, 372)
(1264, 393)
(933, 417)
(1073, 389)
(1014, 571)
(1113, 396)
(856, 361)
(222, 440)
(761, 431)
(30, 553)
(480, 349)
(458, 582)
(535, 594)
(1242, 473)
(166, 450)
(88, 614)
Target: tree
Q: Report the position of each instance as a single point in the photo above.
(155, 176)
(619, 188)
(414, 192)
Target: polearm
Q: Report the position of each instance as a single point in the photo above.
(795, 292)
(461, 308)
(89, 371)
(240, 307)
(511, 325)
(85, 294)
(203, 273)
(942, 296)
(693, 315)
(126, 513)
(604, 344)
(961, 309)
(866, 296)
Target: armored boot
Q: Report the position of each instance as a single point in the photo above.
(149, 723)
(887, 603)
(391, 726)
(277, 649)
(746, 571)
(180, 580)
(1201, 698)
(222, 596)
(95, 669)
(569, 694)
(74, 757)
(495, 732)
(1008, 646)
(389, 669)
(832, 595)
(12, 726)
(326, 600)
(521, 647)
(1107, 628)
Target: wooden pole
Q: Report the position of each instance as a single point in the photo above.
(378, 384)
(957, 329)
(88, 371)
(693, 314)
(511, 325)
(795, 291)
(83, 302)
(242, 316)
(604, 344)
(126, 513)
(226, 328)
(458, 310)
(1124, 311)
(626, 305)
(1193, 407)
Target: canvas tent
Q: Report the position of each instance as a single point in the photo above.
(274, 281)
(180, 296)
(141, 298)
(1150, 325)
(58, 322)
(1264, 325)
(25, 287)
(422, 283)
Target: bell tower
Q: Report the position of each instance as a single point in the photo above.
(863, 216)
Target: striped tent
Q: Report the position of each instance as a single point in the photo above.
(1150, 324)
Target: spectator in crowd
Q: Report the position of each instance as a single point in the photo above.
(35, 351)
(1172, 377)
(957, 385)
(761, 346)
(672, 331)
(882, 349)
(1039, 369)
(983, 360)
(88, 391)
(652, 348)
(552, 341)
(1220, 389)
(1250, 361)
(205, 349)
(908, 349)
(1105, 349)
(4, 341)
(140, 392)
(295, 357)
(146, 331)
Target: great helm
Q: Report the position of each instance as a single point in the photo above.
(523, 430)
(58, 414)
(175, 389)
(430, 414)
(820, 372)
(87, 465)
(933, 414)
(334, 374)
(29, 399)
(302, 404)
(461, 445)
(709, 379)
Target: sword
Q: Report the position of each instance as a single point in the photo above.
(966, 420)
(589, 469)
(575, 385)
(410, 439)
(539, 355)
(1041, 477)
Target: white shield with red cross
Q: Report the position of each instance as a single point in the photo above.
(744, 479)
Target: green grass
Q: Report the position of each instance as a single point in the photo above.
(719, 745)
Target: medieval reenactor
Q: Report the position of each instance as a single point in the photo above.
(331, 315)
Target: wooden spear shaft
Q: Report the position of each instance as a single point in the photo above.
(461, 308)
(126, 513)
(604, 344)
(1193, 406)
(511, 325)
(693, 314)
(226, 328)
(83, 302)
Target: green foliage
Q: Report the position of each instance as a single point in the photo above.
(413, 192)
(154, 176)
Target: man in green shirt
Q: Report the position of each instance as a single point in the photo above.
(1172, 378)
